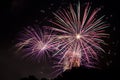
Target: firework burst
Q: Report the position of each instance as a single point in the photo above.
(81, 35)
(35, 43)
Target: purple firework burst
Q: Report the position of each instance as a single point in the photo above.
(81, 35)
(36, 43)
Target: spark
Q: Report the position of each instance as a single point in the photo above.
(78, 36)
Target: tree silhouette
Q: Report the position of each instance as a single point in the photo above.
(31, 77)
(44, 79)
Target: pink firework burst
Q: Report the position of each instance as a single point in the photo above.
(80, 35)
(36, 43)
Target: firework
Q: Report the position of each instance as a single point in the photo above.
(76, 38)
(36, 43)
(80, 35)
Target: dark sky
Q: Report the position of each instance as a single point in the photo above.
(16, 14)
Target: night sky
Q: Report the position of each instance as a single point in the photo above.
(17, 14)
